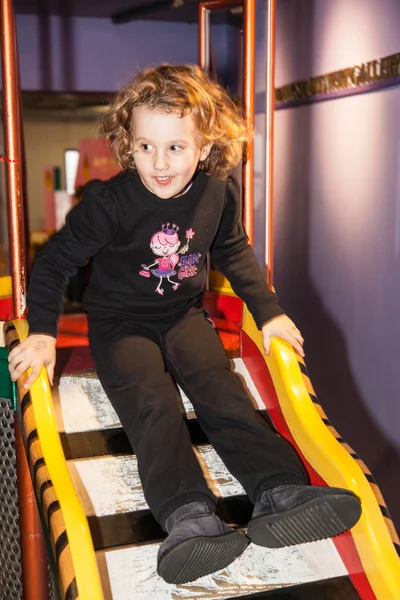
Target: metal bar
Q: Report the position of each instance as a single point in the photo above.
(249, 15)
(220, 4)
(13, 165)
(204, 37)
(206, 54)
(33, 547)
(22, 155)
(33, 552)
(249, 27)
(269, 138)
(212, 69)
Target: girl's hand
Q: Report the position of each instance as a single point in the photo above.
(37, 351)
(284, 328)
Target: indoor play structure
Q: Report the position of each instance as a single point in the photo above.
(73, 519)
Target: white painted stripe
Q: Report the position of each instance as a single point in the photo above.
(111, 484)
(240, 368)
(130, 572)
(81, 404)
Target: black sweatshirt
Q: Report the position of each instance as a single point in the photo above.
(149, 254)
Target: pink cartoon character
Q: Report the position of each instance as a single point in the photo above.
(165, 244)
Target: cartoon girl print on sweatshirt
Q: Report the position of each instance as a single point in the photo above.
(165, 244)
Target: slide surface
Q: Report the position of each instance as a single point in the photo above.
(105, 516)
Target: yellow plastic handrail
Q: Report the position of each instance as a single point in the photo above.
(76, 525)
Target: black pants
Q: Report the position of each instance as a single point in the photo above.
(138, 365)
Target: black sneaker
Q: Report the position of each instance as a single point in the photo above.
(198, 544)
(295, 514)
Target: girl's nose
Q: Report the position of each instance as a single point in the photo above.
(160, 161)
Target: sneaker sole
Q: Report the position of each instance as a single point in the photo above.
(201, 556)
(318, 519)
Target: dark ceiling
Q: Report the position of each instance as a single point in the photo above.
(121, 11)
(63, 106)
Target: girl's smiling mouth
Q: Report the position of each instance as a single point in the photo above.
(163, 180)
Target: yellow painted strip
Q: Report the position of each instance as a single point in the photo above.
(64, 565)
(80, 541)
(348, 448)
(58, 528)
(320, 411)
(308, 385)
(49, 497)
(5, 286)
(332, 430)
(363, 466)
(378, 495)
(390, 526)
(331, 461)
(301, 360)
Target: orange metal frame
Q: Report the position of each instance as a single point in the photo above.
(33, 550)
(249, 12)
(249, 16)
(269, 135)
(13, 162)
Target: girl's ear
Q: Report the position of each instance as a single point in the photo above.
(205, 151)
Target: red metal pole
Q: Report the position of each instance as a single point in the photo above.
(203, 36)
(33, 548)
(249, 17)
(249, 20)
(269, 120)
(33, 551)
(24, 191)
(13, 164)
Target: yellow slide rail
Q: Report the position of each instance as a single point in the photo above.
(62, 511)
(374, 535)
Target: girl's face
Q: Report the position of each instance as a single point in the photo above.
(165, 150)
(164, 249)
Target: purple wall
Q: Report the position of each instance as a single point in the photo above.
(83, 54)
(337, 223)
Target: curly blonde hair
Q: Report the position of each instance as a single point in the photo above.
(182, 89)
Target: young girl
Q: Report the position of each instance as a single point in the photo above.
(176, 135)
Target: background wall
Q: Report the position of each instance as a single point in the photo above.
(45, 143)
(82, 54)
(337, 223)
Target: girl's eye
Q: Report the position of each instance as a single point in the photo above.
(146, 147)
(176, 148)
